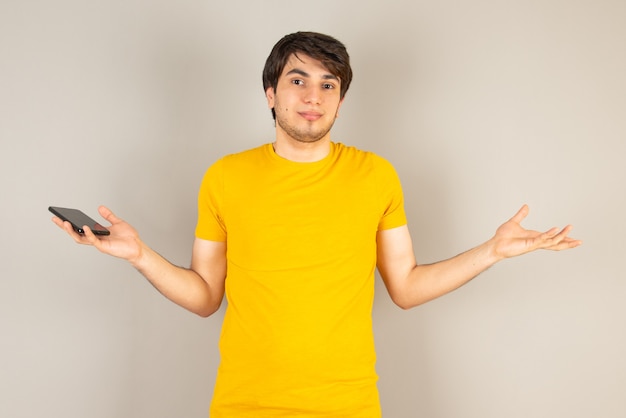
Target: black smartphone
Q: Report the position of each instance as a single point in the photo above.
(78, 220)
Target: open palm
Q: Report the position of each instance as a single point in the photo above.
(512, 239)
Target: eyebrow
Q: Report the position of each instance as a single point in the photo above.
(305, 74)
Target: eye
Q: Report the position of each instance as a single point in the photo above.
(328, 86)
(298, 82)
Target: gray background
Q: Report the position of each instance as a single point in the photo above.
(481, 106)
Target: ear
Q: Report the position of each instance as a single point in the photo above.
(270, 96)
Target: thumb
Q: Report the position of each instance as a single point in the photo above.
(107, 214)
(521, 214)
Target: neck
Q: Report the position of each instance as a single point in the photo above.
(302, 152)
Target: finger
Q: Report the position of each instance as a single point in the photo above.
(549, 239)
(565, 244)
(521, 214)
(91, 238)
(107, 214)
(58, 222)
(560, 236)
(79, 238)
(561, 240)
(63, 225)
(551, 233)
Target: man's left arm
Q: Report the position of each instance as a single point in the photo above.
(410, 284)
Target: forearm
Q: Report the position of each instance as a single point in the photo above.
(429, 281)
(199, 289)
(183, 286)
(410, 284)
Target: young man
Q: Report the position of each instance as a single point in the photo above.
(306, 222)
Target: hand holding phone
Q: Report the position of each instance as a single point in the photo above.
(78, 220)
(119, 239)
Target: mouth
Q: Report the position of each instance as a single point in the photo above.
(310, 115)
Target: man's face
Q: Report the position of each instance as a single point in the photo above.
(306, 100)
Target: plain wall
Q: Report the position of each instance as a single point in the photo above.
(481, 106)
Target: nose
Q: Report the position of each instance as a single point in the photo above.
(312, 95)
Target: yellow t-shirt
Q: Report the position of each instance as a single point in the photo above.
(297, 335)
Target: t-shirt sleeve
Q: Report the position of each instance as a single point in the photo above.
(391, 191)
(210, 225)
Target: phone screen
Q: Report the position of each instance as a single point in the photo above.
(78, 219)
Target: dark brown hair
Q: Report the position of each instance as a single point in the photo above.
(326, 49)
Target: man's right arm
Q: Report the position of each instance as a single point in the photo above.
(199, 289)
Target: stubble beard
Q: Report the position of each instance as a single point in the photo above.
(305, 135)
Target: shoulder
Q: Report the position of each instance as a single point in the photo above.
(353, 155)
(238, 160)
(252, 154)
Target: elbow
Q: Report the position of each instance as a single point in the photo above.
(205, 313)
(406, 306)
(208, 309)
(403, 302)
(406, 299)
